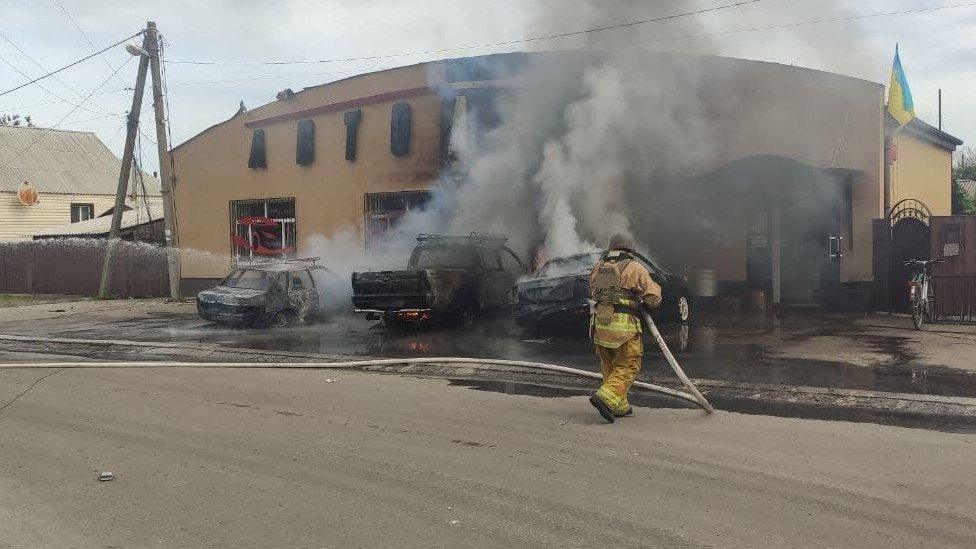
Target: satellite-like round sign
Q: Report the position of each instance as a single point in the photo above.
(27, 194)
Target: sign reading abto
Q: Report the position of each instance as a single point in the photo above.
(28, 194)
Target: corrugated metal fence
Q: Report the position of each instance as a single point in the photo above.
(74, 267)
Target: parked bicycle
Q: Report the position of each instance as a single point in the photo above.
(921, 295)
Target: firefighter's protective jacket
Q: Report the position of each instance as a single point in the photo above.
(636, 285)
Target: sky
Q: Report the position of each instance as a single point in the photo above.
(938, 48)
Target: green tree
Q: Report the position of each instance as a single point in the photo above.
(964, 168)
(16, 120)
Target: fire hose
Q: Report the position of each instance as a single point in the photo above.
(695, 397)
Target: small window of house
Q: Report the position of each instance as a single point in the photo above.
(351, 120)
(258, 158)
(400, 129)
(305, 151)
(951, 240)
(82, 212)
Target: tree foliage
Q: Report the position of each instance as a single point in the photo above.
(964, 168)
(16, 120)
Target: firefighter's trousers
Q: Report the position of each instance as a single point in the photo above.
(620, 367)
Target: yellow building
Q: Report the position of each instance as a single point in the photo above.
(789, 195)
(74, 176)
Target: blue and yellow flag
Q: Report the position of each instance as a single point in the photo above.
(900, 103)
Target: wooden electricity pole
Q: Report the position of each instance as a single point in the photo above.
(132, 128)
(165, 167)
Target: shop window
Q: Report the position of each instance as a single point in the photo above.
(305, 151)
(351, 119)
(951, 240)
(383, 212)
(258, 158)
(263, 228)
(82, 212)
(400, 122)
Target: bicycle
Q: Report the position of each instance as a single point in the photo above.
(921, 295)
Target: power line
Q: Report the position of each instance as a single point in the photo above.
(46, 131)
(486, 45)
(72, 64)
(84, 34)
(842, 19)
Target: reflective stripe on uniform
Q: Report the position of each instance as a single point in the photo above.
(620, 329)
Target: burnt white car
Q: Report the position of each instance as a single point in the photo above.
(268, 294)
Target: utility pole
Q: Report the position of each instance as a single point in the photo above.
(940, 109)
(132, 128)
(165, 168)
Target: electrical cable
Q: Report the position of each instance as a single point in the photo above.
(29, 387)
(660, 19)
(842, 19)
(72, 64)
(48, 130)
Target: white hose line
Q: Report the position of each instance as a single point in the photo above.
(350, 364)
(699, 398)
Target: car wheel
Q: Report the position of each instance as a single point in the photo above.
(282, 319)
(682, 309)
(466, 315)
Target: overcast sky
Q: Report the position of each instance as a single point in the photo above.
(938, 48)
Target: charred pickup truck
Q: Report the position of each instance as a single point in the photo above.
(276, 294)
(557, 298)
(452, 278)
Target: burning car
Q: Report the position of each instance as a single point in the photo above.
(557, 298)
(454, 278)
(276, 294)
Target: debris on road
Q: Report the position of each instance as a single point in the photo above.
(106, 476)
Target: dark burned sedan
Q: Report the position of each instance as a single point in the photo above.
(271, 294)
(557, 298)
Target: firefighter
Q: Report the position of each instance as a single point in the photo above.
(619, 286)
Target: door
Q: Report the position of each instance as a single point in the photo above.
(494, 280)
(910, 239)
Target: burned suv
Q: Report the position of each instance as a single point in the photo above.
(557, 298)
(453, 278)
(263, 294)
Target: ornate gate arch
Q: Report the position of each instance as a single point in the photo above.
(909, 208)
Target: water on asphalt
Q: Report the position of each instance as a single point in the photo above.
(710, 349)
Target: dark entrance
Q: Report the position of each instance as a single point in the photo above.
(910, 239)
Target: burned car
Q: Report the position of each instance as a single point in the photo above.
(452, 278)
(263, 294)
(557, 297)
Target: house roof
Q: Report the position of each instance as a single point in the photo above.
(921, 129)
(100, 226)
(60, 162)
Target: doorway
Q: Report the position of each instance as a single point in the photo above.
(910, 239)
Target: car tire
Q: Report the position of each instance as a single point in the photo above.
(682, 309)
(282, 319)
(466, 314)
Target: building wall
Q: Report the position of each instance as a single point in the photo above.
(17, 221)
(922, 171)
(211, 169)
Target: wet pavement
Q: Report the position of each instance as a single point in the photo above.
(738, 349)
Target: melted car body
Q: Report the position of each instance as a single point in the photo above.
(454, 278)
(557, 298)
(266, 294)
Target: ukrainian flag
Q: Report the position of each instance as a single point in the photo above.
(900, 103)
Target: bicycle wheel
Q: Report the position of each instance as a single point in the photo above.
(918, 315)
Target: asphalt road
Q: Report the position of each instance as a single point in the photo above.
(231, 458)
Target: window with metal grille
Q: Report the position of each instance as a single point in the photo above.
(400, 122)
(82, 212)
(263, 228)
(258, 157)
(383, 211)
(305, 151)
